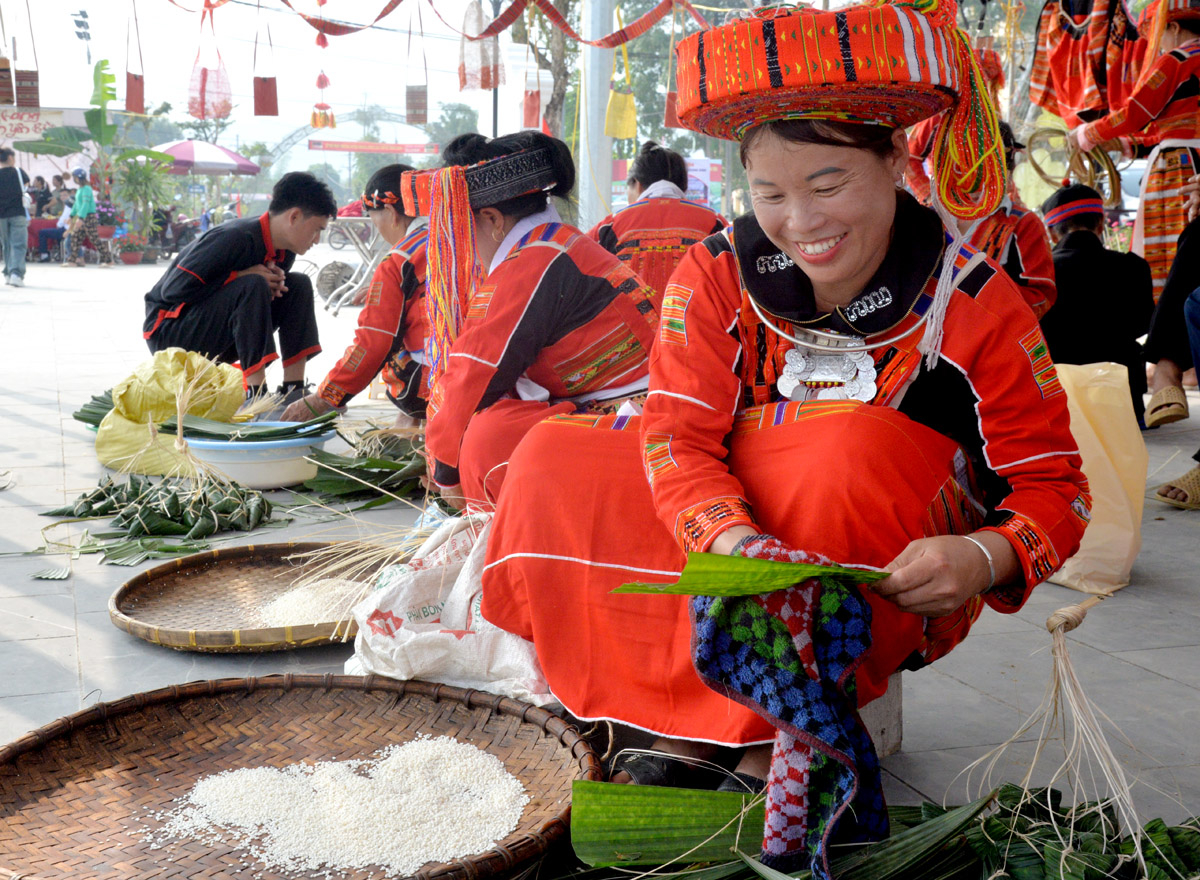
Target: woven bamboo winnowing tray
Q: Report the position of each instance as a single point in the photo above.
(207, 602)
(77, 795)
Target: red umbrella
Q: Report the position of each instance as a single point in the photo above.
(201, 157)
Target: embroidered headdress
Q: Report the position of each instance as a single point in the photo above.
(879, 62)
(887, 63)
(1072, 201)
(449, 197)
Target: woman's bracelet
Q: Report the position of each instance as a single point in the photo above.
(987, 554)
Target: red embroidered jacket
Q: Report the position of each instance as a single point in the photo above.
(559, 311)
(994, 390)
(393, 321)
(1018, 241)
(1169, 100)
(652, 235)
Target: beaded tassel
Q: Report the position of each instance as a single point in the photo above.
(453, 265)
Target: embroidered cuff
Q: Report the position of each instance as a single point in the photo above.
(1085, 138)
(696, 527)
(1038, 560)
(334, 395)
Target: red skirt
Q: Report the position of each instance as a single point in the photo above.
(576, 520)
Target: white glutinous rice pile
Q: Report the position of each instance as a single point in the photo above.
(430, 800)
(321, 601)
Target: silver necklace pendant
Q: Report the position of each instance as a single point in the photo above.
(834, 374)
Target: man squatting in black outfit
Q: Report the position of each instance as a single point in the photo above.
(226, 294)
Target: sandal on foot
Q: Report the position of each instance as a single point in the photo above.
(648, 770)
(1166, 405)
(742, 783)
(1189, 483)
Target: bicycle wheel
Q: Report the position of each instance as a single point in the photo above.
(338, 238)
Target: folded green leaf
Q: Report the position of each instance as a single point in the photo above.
(647, 825)
(714, 574)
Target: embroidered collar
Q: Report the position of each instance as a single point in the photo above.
(273, 255)
(782, 289)
(520, 228)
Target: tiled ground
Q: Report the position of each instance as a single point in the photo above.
(71, 333)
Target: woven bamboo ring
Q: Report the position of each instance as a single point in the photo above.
(206, 602)
(77, 795)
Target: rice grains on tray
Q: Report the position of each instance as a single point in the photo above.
(429, 800)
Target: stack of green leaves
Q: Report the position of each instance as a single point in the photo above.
(197, 428)
(142, 507)
(342, 478)
(94, 411)
(1012, 834)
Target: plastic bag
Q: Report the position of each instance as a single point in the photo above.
(1114, 462)
(125, 442)
(620, 119)
(423, 621)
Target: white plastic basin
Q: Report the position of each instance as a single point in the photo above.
(262, 464)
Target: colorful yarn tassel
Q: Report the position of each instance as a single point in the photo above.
(453, 269)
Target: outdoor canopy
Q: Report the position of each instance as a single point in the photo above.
(201, 157)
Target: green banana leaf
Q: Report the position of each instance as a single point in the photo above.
(715, 574)
(648, 825)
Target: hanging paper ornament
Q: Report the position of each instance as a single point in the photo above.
(479, 65)
(416, 96)
(209, 94)
(266, 95)
(135, 83)
(322, 116)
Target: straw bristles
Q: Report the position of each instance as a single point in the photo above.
(257, 406)
(355, 563)
(1066, 714)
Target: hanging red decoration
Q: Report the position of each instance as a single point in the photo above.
(326, 28)
(209, 95)
(135, 83)
(479, 64)
(322, 115)
(416, 96)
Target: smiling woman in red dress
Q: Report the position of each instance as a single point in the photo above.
(840, 376)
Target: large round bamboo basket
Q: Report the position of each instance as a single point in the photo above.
(78, 795)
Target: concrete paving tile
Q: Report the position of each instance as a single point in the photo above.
(27, 478)
(31, 455)
(38, 666)
(119, 664)
(20, 715)
(1167, 793)
(1181, 664)
(941, 712)
(942, 776)
(1132, 620)
(1157, 713)
(16, 579)
(37, 617)
(895, 791)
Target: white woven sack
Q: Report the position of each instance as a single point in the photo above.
(423, 621)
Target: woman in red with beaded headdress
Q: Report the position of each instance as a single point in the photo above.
(840, 377)
(555, 324)
(653, 233)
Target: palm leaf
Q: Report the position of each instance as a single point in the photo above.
(55, 573)
(647, 825)
(714, 574)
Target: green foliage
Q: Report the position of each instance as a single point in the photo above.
(142, 181)
(452, 120)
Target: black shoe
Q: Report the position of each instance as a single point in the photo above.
(742, 783)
